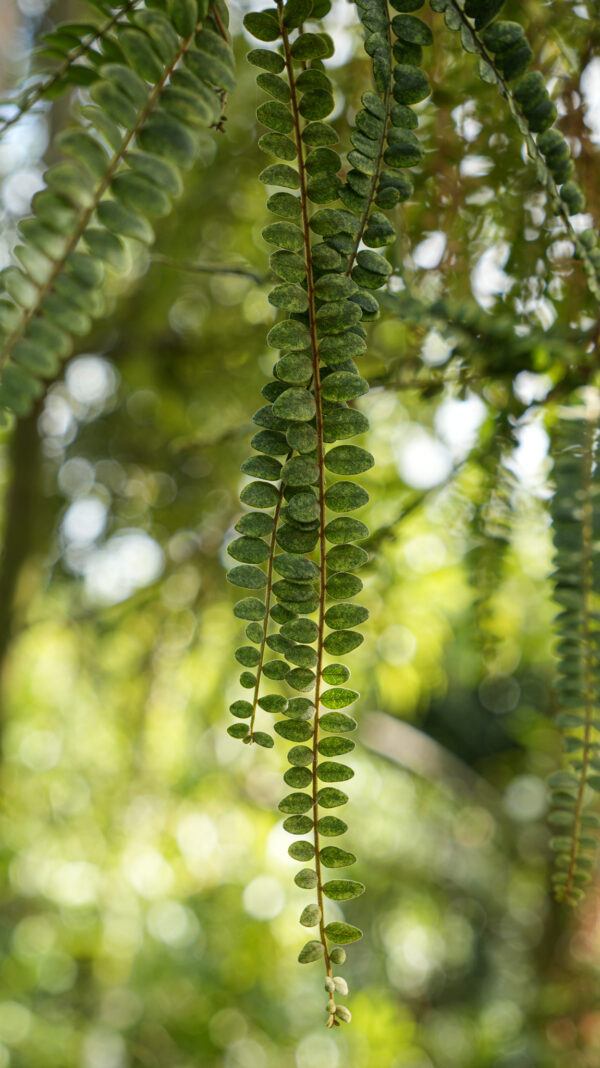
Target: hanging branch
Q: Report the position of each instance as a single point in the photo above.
(327, 289)
(576, 516)
(69, 72)
(150, 110)
(504, 55)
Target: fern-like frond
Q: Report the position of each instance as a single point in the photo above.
(299, 550)
(79, 48)
(576, 518)
(383, 139)
(504, 54)
(490, 529)
(127, 151)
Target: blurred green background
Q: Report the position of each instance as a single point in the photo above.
(148, 914)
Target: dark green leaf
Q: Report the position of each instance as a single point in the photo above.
(273, 703)
(249, 608)
(300, 470)
(241, 709)
(262, 467)
(343, 933)
(247, 656)
(297, 404)
(278, 145)
(342, 889)
(288, 207)
(164, 136)
(308, 46)
(411, 85)
(335, 746)
(249, 550)
(303, 508)
(342, 386)
(340, 642)
(319, 135)
(265, 58)
(335, 674)
(270, 442)
(295, 803)
(286, 235)
(300, 755)
(238, 730)
(344, 616)
(345, 497)
(338, 698)
(311, 951)
(248, 577)
(292, 540)
(296, 568)
(310, 916)
(301, 850)
(294, 731)
(301, 679)
(259, 495)
(297, 369)
(346, 557)
(297, 824)
(306, 878)
(330, 826)
(348, 460)
(331, 771)
(276, 116)
(263, 739)
(276, 669)
(289, 266)
(330, 797)
(256, 524)
(289, 335)
(298, 778)
(262, 24)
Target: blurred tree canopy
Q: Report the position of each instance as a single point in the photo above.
(149, 916)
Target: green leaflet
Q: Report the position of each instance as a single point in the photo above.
(343, 584)
(331, 771)
(335, 746)
(329, 797)
(331, 826)
(348, 460)
(310, 916)
(306, 878)
(343, 616)
(335, 674)
(338, 697)
(342, 889)
(311, 951)
(343, 933)
(301, 850)
(576, 515)
(297, 778)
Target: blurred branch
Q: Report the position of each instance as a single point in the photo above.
(32, 96)
(401, 743)
(207, 268)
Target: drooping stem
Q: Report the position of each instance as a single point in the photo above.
(588, 646)
(310, 292)
(40, 90)
(387, 103)
(58, 265)
(268, 594)
(532, 145)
